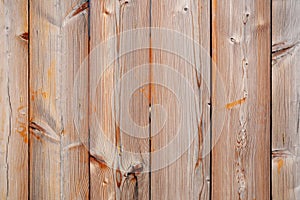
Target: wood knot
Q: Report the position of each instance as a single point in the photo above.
(234, 40)
(246, 18)
(136, 169)
(118, 178)
(24, 36)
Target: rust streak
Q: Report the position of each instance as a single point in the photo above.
(235, 103)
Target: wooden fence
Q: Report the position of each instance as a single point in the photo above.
(149, 99)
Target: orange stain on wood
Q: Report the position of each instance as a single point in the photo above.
(21, 121)
(23, 133)
(235, 103)
(36, 136)
(51, 69)
(44, 95)
(39, 91)
(280, 163)
(144, 92)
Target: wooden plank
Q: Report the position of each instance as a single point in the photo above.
(119, 162)
(13, 99)
(59, 163)
(285, 99)
(241, 53)
(180, 99)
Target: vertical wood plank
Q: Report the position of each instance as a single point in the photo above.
(59, 162)
(119, 162)
(180, 99)
(241, 52)
(285, 99)
(13, 99)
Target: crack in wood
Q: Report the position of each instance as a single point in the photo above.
(282, 49)
(40, 132)
(282, 153)
(8, 138)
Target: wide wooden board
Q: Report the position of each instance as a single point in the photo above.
(119, 109)
(59, 160)
(241, 56)
(180, 99)
(13, 99)
(285, 99)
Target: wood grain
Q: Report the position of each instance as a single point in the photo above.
(285, 99)
(241, 52)
(59, 162)
(119, 160)
(180, 99)
(110, 99)
(13, 100)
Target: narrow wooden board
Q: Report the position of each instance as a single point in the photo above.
(119, 162)
(285, 99)
(59, 162)
(13, 99)
(180, 99)
(241, 53)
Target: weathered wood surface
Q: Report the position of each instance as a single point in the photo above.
(59, 163)
(241, 52)
(155, 88)
(180, 99)
(13, 100)
(119, 163)
(285, 99)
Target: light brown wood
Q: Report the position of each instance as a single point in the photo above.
(130, 84)
(241, 53)
(119, 162)
(13, 100)
(59, 162)
(285, 99)
(180, 99)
